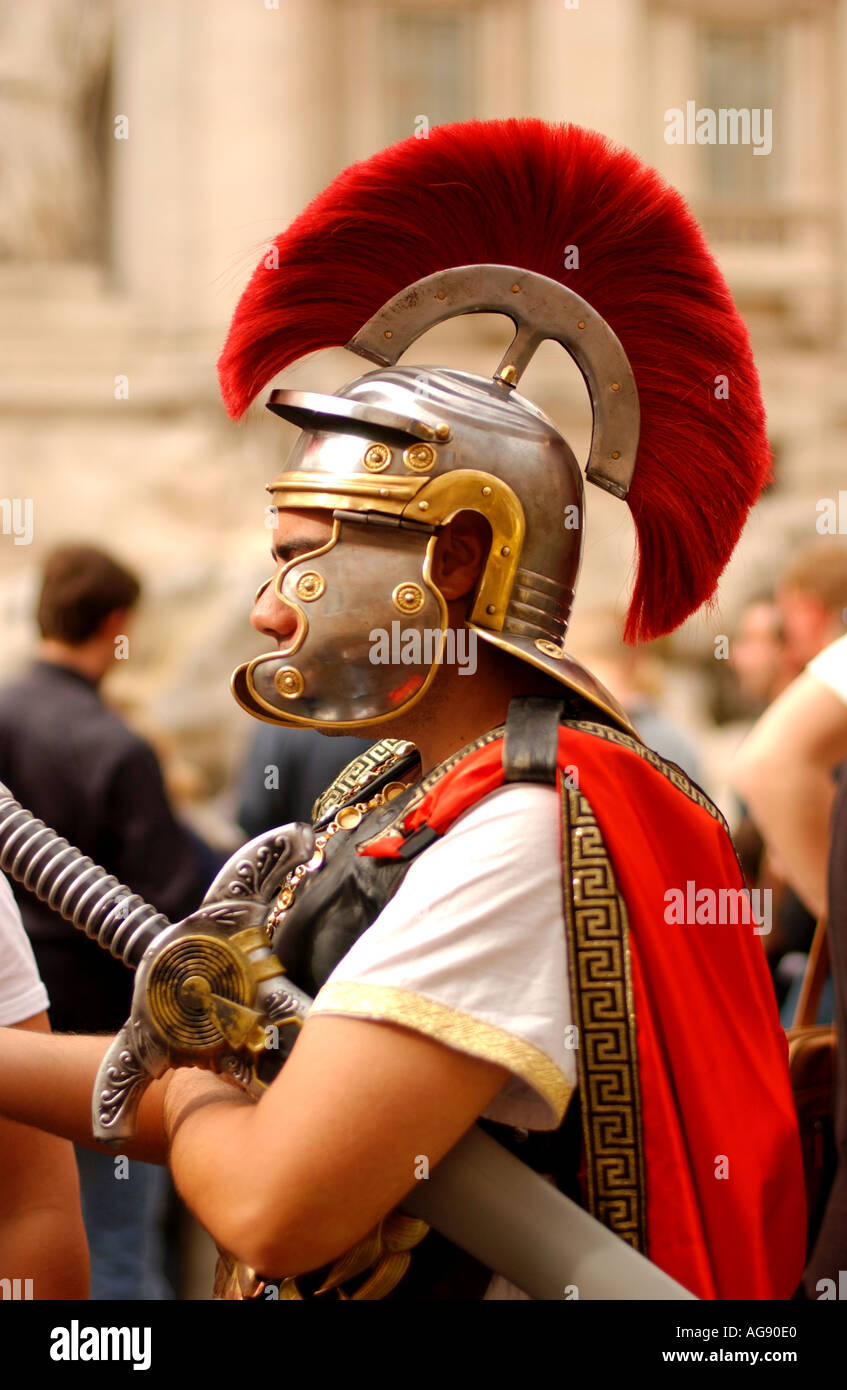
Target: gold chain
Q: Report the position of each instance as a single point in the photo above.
(346, 819)
(369, 765)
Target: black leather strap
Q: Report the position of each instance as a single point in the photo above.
(532, 739)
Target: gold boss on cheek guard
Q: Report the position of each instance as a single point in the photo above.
(333, 672)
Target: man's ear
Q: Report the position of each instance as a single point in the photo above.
(115, 623)
(460, 554)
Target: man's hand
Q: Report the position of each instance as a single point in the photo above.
(288, 1183)
(189, 1089)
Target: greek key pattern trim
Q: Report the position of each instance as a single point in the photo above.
(601, 996)
(673, 773)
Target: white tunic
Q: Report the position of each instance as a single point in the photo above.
(471, 950)
(21, 992)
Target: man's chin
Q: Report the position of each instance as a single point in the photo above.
(373, 733)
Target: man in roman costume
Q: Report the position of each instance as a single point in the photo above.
(483, 922)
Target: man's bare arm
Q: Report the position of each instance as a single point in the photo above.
(297, 1179)
(42, 1237)
(784, 772)
(47, 1081)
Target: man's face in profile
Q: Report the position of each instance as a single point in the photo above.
(295, 533)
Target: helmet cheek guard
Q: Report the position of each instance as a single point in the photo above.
(370, 631)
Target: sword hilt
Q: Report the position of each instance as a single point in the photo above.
(206, 989)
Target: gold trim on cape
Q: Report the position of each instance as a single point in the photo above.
(673, 773)
(600, 977)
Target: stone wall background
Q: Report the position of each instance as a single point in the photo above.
(124, 257)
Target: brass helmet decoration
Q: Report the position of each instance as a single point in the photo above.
(476, 219)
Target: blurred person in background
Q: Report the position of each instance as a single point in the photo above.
(42, 1238)
(762, 667)
(785, 771)
(635, 676)
(72, 761)
(285, 772)
(759, 657)
(812, 600)
(802, 812)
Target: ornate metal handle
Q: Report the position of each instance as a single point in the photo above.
(207, 989)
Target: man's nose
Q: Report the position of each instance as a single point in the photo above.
(271, 616)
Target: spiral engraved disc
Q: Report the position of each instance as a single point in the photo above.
(182, 977)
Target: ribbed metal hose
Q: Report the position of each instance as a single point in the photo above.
(73, 885)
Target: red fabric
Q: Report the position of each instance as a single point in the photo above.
(472, 779)
(521, 192)
(712, 1056)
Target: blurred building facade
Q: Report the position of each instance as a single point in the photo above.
(153, 149)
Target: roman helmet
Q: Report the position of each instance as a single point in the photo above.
(575, 240)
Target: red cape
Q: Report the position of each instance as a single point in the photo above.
(724, 1176)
